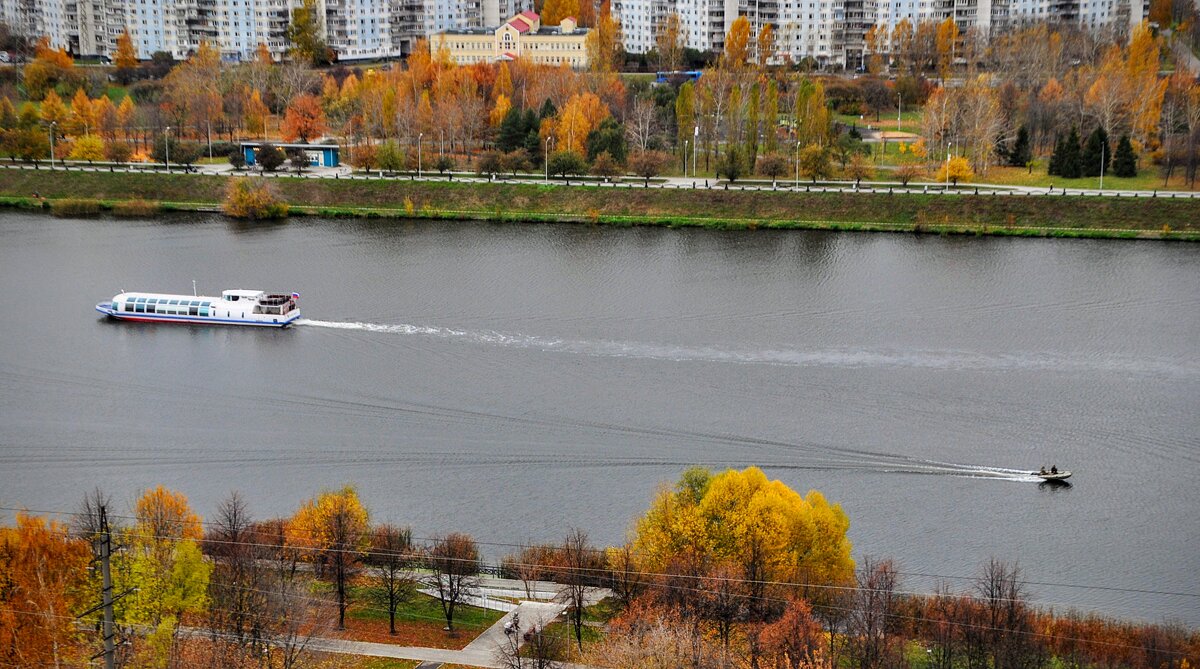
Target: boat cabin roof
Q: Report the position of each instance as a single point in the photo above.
(242, 294)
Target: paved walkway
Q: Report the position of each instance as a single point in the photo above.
(682, 183)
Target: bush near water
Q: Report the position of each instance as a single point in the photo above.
(254, 199)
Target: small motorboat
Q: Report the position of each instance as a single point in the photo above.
(1052, 475)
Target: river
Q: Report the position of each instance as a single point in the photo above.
(514, 381)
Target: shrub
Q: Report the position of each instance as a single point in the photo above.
(118, 152)
(364, 157)
(390, 156)
(731, 165)
(237, 159)
(89, 148)
(254, 199)
(772, 165)
(567, 163)
(515, 161)
(269, 157)
(605, 166)
(488, 163)
(75, 207)
(136, 208)
(649, 164)
(445, 164)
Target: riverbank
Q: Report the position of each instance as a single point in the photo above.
(992, 214)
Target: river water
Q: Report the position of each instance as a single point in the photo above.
(516, 381)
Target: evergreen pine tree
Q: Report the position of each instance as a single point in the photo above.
(1055, 167)
(1070, 166)
(512, 131)
(548, 109)
(1095, 152)
(1125, 162)
(1021, 152)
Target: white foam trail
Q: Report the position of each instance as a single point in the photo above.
(846, 358)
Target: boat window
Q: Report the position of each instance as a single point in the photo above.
(141, 308)
(193, 311)
(203, 311)
(141, 299)
(129, 306)
(174, 302)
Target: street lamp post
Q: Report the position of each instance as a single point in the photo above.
(685, 152)
(695, 141)
(53, 125)
(547, 157)
(949, 146)
(899, 106)
(797, 164)
(420, 141)
(442, 148)
(1103, 146)
(167, 147)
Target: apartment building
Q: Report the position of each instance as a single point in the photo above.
(354, 29)
(833, 32)
(522, 36)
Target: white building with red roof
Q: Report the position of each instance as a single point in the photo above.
(521, 37)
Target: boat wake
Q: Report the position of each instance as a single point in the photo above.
(828, 357)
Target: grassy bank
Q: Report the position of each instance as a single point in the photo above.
(969, 214)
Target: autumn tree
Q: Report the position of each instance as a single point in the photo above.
(947, 45)
(306, 33)
(795, 640)
(453, 562)
(42, 574)
(163, 570)
(303, 120)
(670, 41)
(741, 518)
(955, 170)
(764, 46)
(53, 110)
(603, 43)
(554, 11)
(125, 59)
(50, 67)
(391, 554)
(772, 165)
(648, 164)
(333, 528)
(89, 148)
(736, 54)
(815, 162)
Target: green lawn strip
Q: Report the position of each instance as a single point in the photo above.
(985, 213)
(421, 608)
(385, 663)
(602, 611)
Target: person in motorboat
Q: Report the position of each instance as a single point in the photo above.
(1054, 469)
(1042, 471)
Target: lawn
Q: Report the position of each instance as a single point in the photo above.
(419, 621)
(1147, 179)
(910, 121)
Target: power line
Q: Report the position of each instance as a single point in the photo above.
(211, 523)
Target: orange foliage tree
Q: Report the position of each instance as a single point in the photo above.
(303, 120)
(333, 530)
(42, 574)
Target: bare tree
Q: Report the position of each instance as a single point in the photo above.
(391, 555)
(1008, 622)
(454, 567)
(642, 123)
(542, 650)
(530, 564)
(576, 564)
(624, 579)
(870, 625)
(236, 590)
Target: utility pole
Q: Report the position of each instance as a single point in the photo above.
(105, 540)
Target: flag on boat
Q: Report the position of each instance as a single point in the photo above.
(295, 296)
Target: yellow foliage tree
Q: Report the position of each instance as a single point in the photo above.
(126, 57)
(554, 11)
(503, 85)
(737, 45)
(947, 46)
(955, 170)
(603, 43)
(334, 529)
(83, 117)
(254, 114)
(742, 518)
(765, 47)
(53, 110)
(579, 116)
(499, 111)
(89, 148)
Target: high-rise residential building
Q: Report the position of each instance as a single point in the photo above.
(833, 32)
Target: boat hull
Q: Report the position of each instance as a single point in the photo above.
(106, 309)
(1060, 476)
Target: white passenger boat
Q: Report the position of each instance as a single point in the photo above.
(233, 307)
